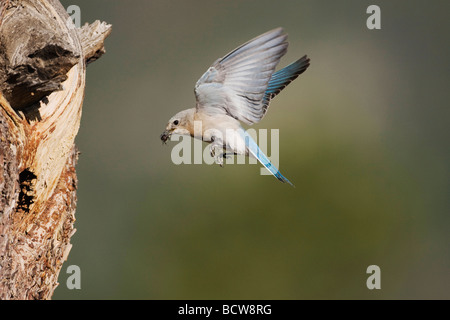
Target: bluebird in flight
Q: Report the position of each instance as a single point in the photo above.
(238, 88)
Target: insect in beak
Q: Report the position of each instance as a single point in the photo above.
(165, 136)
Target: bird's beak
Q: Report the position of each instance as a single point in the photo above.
(165, 136)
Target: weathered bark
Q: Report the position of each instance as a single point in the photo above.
(42, 78)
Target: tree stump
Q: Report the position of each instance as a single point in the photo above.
(43, 59)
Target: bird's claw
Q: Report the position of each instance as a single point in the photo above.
(218, 156)
(219, 160)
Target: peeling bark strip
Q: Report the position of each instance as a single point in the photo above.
(43, 61)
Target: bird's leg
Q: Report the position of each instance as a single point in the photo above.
(213, 147)
(216, 153)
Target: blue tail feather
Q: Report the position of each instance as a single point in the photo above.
(256, 151)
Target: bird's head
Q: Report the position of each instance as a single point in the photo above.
(181, 124)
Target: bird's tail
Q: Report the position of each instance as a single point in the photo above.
(254, 149)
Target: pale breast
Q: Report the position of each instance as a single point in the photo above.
(221, 129)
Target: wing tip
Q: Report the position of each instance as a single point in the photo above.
(301, 65)
(276, 37)
(276, 30)
(305, 60)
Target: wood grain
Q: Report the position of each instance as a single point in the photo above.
(43, 61)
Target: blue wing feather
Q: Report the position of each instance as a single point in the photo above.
(283, 77)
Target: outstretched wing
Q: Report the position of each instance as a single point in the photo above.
(236, 84)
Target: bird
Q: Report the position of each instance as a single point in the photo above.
(235, 89)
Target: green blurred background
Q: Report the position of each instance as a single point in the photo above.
(363, 135)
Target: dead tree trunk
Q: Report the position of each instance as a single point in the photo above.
(43, 59)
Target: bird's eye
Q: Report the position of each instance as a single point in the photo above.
(175, 122)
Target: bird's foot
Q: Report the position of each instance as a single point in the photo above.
(218, 156)
(219, 160)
